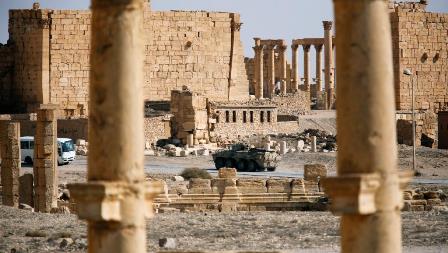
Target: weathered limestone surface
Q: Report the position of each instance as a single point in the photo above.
(10, 166)
(312, 172)
(45, 160)
(52, 53)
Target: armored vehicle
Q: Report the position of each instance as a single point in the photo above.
(244, 159)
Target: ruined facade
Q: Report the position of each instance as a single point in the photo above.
(47, 60)
(420, 43)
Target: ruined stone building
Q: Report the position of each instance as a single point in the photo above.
(46, 59)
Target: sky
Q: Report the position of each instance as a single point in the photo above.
(273, 19)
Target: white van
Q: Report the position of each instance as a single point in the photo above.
(66, 150)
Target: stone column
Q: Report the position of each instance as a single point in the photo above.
(45, 159)
(366, 191)
(295, 66)
(318, 86)
(282, 50)
(329, 75)
(271, 71)
(116, 200)
(306, 66)
(258, 61)
(10, 166)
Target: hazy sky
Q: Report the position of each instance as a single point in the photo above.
(269, 19)
(284, 19)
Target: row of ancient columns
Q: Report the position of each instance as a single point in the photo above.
(259, 49)
(270, 47)
(45, 188)
(366, 191)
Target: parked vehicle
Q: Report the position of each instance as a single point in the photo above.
(66, 150)
(244, 159)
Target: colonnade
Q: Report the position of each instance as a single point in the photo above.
(293, 82)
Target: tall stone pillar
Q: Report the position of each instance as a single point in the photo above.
(10, 166)
(295, 68)
(271, 71)
(45, 159)
(258, 48)
(306, 66)
(116, 199)
(329, 66)
(366, 191)
(318, 86)
(282, 50)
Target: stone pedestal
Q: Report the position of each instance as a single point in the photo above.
(45, 159)
(10, 165)
(313, 144)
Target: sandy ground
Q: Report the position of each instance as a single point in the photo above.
(30, 232)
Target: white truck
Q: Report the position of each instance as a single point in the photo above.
(66, 150)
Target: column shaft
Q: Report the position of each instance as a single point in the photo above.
(318, 67)
(10, 166)
(329, 75)
(258, 69)
(45, 160)
(295, 70)
(366, 121)
(283, 68)
(271, 89)
(306, 67)
(116, 138)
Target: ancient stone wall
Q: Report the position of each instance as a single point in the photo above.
(420, 43)
(29, 36)
(6, 78)
(192, 49)
(157, 128)
(201, 50)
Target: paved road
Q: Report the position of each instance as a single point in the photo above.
(170, 165)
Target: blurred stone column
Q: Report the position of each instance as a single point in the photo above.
(10, 166)
(271, 71)
(366, 191)
(282, 50)
(116, 200)
(306, 67)
(318, 86)
(258, 67)
(295, 66)
(45, 159)
(329, 66)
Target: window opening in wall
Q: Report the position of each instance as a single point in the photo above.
(261, 116)
(217, 116)
(269, 116)
(227, 117)
(233, 116)
(251, 117)
(244, 117)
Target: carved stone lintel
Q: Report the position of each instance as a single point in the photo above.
(101, 201)
(44, 23)
(327, 25)
(236, 26)
(352, 194)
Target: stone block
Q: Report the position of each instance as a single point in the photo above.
(431, 195)
(278, 185)
(224, 186)
(26, 192)
(315, 172)
(298, 186)
(434, 202)
(419, 202)
(227, 173)
(417, 208)
(199, 186)
(251, 185)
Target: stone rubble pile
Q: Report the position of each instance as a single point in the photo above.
(420, 200)
(82, 147)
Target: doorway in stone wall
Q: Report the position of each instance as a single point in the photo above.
(443, 130)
